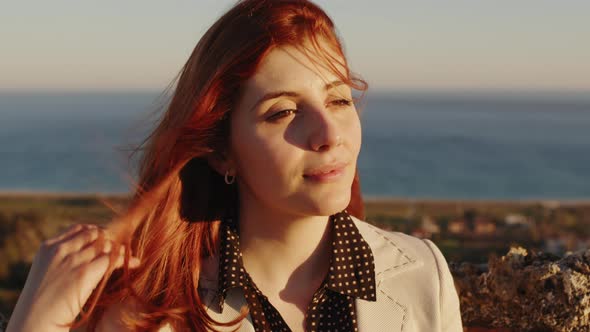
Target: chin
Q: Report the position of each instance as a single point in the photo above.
(326, 206)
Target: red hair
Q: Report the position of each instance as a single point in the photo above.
(172, 221)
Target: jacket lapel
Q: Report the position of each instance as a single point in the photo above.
(387, 313)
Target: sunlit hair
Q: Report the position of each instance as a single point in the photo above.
(174, 215)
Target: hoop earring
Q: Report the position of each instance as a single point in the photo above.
(233, 179)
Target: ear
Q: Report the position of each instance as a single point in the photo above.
(220, 162)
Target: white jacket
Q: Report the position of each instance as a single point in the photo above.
(415, 289)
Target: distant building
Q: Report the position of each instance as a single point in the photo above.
(429, 225)
(515, 219)
(457, 226)
(484, 226)
(551, 204)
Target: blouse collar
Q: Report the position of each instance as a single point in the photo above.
(352, 265)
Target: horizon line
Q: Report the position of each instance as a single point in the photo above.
(379, 90)
(15, 193)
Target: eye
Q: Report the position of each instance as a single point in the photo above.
(342, 102)
(281, 114)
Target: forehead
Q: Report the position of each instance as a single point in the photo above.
(289, 68)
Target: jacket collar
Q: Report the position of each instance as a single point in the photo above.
(351, 267)
(390, 257)
(394, 256)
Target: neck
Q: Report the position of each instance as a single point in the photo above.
(279, 247)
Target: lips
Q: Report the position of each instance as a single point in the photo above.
(326, 169)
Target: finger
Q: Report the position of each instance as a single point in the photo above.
(119, 257)
(120, 260)
(72, 231)
(104, 242)
(98, 265)
(89, 275)
(75, 242)
(89, 252)
(92, 272)
(73, 228)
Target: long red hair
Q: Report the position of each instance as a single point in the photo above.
(172, 221)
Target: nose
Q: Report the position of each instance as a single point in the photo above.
(326, 130)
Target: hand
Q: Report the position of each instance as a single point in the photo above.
(65, 271)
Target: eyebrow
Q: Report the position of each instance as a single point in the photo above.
(277, 94)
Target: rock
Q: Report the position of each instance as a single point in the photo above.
(526, 291)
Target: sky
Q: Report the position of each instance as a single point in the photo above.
(394, 45)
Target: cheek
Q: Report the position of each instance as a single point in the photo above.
(261, 158)
(354, 134)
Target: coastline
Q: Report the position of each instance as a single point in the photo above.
(524, 201)
(366, 198)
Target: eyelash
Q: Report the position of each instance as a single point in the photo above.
(339, 102)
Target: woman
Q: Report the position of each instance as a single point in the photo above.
(248, 212)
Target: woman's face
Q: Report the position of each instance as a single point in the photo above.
(292, 119)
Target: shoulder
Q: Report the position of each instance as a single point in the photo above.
(404, 248)
(415, 272)
(397, 252)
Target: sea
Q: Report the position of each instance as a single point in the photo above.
(418, 145)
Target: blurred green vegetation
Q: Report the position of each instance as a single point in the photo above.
(27, 220)
(568, 222)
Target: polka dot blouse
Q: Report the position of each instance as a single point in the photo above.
(351, 275)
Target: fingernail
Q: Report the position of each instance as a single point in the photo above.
(134, 261)
(107, 246)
